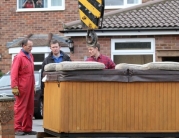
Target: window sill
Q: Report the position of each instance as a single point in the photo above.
(120, 7)
(40, 9)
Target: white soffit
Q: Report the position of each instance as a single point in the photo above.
(128, 33)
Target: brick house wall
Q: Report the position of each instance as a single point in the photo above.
(162, 43)
(18, 24)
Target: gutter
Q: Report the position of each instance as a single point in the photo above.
(122, 29)
(124, 32)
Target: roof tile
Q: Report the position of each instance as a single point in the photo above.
(158, 14)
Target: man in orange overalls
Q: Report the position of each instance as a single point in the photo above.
(22, 83)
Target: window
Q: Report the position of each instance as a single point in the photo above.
(115, 4)
(171, 59)
(40, 5)
(37, 79)
(38, 59)
(133, 51)
(37, 67)
(39, 54)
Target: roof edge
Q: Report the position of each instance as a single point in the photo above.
(123, 30)
(17, 42)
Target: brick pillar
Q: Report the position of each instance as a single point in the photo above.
(7, 117)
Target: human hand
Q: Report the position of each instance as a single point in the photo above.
(15, 91)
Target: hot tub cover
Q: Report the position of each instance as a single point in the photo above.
(114, 75)
(150, 66)
(87, 75)
(150, 72)
(74, 65)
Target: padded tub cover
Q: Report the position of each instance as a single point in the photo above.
(87, 75)
(74, 65)
(114, 75)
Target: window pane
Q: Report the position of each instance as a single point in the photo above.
(37, 81)
(21, 3)
(39, 3)
(38, 57)
(132, 1)
(132, 45)
(114, 2)
(45, 3)
(171, 59)
(133, 59)
(31, 4)
(56, 2)
(37, 67)
(25, 4)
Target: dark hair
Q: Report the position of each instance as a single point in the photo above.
(98, 46)
(54, 42)
(24, 41)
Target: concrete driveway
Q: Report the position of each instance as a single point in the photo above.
(37, 126)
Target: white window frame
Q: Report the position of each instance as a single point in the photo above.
(124, 6)
(51, 8)
(133, 52)
(37, 50)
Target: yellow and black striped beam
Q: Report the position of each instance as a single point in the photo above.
(90, 12)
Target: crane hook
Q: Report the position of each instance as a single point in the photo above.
(91, 38)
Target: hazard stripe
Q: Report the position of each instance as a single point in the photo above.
(93, 9)
(87, 21)
(99, 1)
(90, 16)
(96, 5)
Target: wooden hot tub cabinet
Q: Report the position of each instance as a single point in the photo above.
(113, 107)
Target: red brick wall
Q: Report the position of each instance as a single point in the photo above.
(17, 24)
(162, 43)
(167, 42)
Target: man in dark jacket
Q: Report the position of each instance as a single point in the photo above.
(56, 56)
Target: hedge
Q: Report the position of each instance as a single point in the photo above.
(1, 73)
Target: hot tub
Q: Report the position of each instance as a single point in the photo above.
(112, 103)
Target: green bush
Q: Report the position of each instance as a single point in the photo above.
(1, 73)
